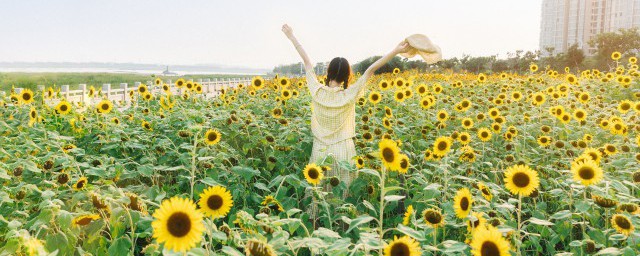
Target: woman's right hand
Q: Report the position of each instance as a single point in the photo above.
(288, 31)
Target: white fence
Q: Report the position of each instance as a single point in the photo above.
(210, 88)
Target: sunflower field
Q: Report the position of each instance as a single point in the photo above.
(541, 163)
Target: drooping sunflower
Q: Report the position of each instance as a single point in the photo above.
(433, 218)
(33, 116)
(442, 146)
(104, 106)
(80, 184)
(215, 202)
(475, 220)
(404, 246)
(462, 203)
(390, 154)
(313, 174)
(146, 125)
(486, 192)
(484, 134)
(359, 162)
(622, 224)
(212, 137)
(521, 180)
(178, 224)
(407, 215)
(488, 241)
(63, 107)
(256, 247)
(85, 219)
(586, 172)
(375, 97)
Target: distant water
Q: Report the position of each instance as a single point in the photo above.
(127, 71)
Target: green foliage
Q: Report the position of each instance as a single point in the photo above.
(625, 41)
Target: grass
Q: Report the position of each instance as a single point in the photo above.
(32, 80)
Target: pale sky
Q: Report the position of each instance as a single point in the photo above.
(247, 33)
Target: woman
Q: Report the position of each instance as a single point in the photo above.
(333, 106)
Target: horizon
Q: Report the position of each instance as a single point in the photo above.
(247, 34)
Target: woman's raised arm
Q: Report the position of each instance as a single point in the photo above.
(400, 48)
(305, 58)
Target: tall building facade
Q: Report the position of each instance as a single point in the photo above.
(567, 22)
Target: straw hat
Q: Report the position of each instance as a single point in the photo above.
(420, 44)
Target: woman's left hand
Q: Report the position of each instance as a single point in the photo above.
(402, 47)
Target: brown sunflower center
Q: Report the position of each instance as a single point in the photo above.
(212, 136)
(33, 114)
(489, 248)
(214, 202)
(388, 155)
(63, 108)
(622, 222)
(81, 184)
(442, 145)
(84, 221)
(313, 173)
(179, 224)
(433, 217)
(400, 249)
(404, 164)
(586, 173)
(520, 179)
(105, 106)
(26, 96)
(464, 203)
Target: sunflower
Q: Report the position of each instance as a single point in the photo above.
(610, 149)
(178, 224)
(255, 247)
(286, 94)
(616, 55)
(433, 218)
(442, 115)
(404, 246)
(215, 202)
(407, 215)
(544, 141)
(212, 137)
(399, 96)
(104, 106)
(586, 172)
(375, 97)
(533, 67)
(580, 114)
(570, 78)
(63, 107)
(26, 96)
(359, 162)
(484, 134)
(622, 224)
(488, 241)
(467, 123)
(486, 192)
(396, 71)
(313, 174)
(625, 106)
(521, 180)
(390, 154)
(146, 125)
(477, 220)
(85, 219)
(272, 203)
(404, 163)
(442, 146)
(257, 82)
(33, 116)
(384, 85)
(80, 184)
(538, 99)
(464, 138)
(462, 203)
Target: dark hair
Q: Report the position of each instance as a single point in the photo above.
(339, 71)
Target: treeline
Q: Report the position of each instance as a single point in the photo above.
(625, 41)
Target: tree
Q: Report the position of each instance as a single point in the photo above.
(574, 57)
(625, 41)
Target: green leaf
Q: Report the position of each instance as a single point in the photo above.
(121, 246)
(411, 232)
(561, 215)
(245, 172)
(393, 198)
(370, 171)
(359, 221)
(540, 222)
(231, 251)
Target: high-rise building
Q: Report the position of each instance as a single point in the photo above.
(567, 22)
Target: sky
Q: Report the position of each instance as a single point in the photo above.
(248, 33)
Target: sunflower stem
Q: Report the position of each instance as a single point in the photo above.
(193, 163)
(382, 178)
(518, 242)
